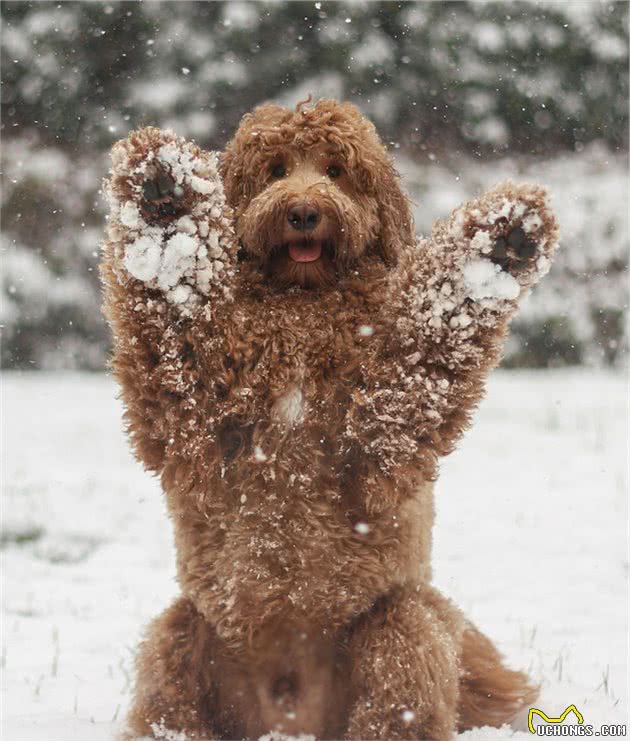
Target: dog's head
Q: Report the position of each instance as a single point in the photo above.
(313, 191)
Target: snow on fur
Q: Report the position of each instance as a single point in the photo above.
(187, 258)
(160, 731)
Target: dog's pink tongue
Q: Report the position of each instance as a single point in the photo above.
(305, 252)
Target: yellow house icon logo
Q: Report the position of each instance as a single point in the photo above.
(547, 719)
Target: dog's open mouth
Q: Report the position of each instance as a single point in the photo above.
(305, 251)
(309, 263)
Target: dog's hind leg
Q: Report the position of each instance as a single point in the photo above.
(489, 693)
(175, 691)
(404, 657)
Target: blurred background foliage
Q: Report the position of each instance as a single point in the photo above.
(465, 93)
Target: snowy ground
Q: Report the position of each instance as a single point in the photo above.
(531, 541)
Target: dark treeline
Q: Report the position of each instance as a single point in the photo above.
(476, 79)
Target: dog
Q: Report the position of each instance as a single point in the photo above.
(294, 362)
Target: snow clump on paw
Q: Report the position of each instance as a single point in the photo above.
(143, 258)
(485, 280)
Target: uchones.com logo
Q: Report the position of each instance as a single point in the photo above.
(558, 727)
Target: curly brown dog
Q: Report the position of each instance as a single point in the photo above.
(294, 362)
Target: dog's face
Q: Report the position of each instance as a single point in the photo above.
(313, 191)
(309, 216)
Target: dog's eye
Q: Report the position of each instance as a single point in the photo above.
(333, 171)
(278, 171)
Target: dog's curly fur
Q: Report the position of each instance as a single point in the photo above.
(296, 415)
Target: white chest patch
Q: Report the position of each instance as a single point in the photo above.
(290, 408)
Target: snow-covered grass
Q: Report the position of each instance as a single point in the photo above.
(531, 540)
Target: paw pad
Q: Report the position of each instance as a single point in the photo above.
(515, 251)
(159, 194)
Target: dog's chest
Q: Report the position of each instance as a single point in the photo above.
(297, 358)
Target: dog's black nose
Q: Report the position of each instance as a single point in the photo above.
(303, 216)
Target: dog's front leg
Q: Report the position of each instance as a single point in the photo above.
(168, 270)
(404, 658)
(456, 293)
(450, 301)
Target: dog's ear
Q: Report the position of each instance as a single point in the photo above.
(241, 149)
(397, 227)
(231, 173)
(377, 176)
